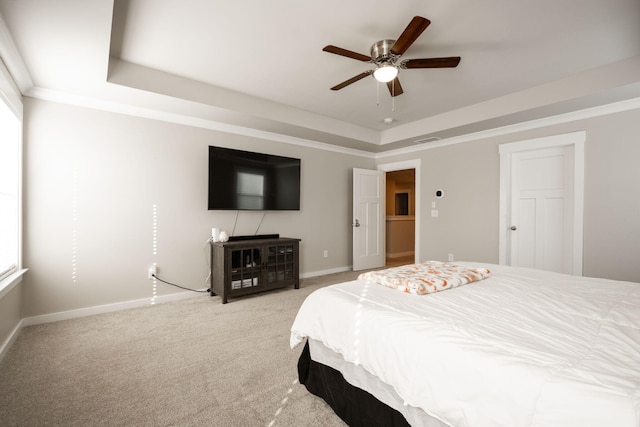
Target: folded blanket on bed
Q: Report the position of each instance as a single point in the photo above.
(426, 277)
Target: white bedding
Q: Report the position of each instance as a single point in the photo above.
(521, 348)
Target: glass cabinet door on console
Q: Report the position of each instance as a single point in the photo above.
(249, 266)
(245, 268)
(280, 265)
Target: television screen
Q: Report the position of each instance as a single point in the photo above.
(243, 180)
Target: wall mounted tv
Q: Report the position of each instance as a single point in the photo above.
(243, 180)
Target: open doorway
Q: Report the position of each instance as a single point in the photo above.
(400, 207)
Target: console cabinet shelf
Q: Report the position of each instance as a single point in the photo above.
(248, 266)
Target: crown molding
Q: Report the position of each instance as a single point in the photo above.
(14, 63)
(587, 113)
(13, 60)
(184, 119)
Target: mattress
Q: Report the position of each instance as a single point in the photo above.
(522, 347)
(360, 378)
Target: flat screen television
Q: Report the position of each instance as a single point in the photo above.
(244, 180)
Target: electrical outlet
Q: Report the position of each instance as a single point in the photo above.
(450, 257)
(153, 270)
(326, 253)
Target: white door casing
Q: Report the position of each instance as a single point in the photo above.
(415, 165)
(541, 203)
(368, 219)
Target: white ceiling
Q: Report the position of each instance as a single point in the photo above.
(259, 64)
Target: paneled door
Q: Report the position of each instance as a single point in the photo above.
(541, 219)
(368, 221)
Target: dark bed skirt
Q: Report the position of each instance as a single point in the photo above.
(353, 405)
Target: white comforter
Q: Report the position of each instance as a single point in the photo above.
(521, 348)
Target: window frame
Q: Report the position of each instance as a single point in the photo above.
(11, 97)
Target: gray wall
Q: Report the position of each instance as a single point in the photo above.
(467, 225)
(95, 182)
(100, 186)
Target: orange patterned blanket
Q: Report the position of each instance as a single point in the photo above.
(426, 277)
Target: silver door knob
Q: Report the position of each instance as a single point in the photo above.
(356, 224)
(514, 228)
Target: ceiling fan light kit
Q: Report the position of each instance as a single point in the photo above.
(385, 54)
(381, 55)
(385, 73)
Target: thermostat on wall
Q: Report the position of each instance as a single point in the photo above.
(439, 194)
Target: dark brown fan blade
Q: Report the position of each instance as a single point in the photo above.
(417, 25)
(395, 88)
(352, 80)
(347, 53)
(448, 62)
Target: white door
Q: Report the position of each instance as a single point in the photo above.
(368, 219)
(543, 218)
(542, 209)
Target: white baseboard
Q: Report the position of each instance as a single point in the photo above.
(323, 272)
(13, 336)
(89, 311)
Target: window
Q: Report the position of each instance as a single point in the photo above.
(10, 142)
(250, 190)
(402, 203)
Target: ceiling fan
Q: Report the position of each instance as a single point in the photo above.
(385, 54)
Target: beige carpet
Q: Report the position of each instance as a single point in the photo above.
(194, 362)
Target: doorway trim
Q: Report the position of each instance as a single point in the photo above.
(575, 139)
(409, 164)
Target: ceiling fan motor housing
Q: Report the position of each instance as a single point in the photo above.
(381, 51)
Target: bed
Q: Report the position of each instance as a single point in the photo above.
(518, 347)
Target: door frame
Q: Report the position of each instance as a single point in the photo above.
(409, 164)
(506, 151)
